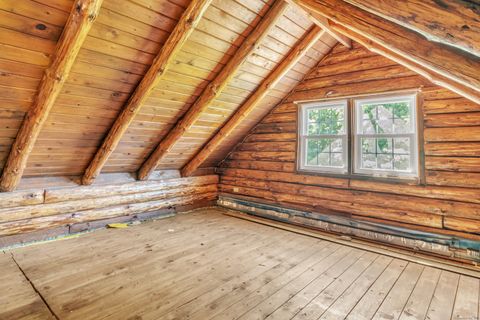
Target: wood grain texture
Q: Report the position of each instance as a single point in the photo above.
(241, 113)
(82, 16)
(263, 166)
(185, 26)
(50, 205)
(452, 23)
(206, 265)
(213, 89)
(441, 64)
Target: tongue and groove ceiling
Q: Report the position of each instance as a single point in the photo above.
(127, 35)
(117, 52)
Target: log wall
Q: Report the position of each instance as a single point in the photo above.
(262, 167)
(63, 206)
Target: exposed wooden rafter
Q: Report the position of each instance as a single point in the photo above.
(214, 88)
(441, 64)
(451, 22)
(160, 65)
(324, 24)
(298, 51)
(82, 16)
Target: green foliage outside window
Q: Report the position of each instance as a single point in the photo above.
(323, 121)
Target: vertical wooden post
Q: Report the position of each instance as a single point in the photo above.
(81, 18)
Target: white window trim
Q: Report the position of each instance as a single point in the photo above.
(303, 136)
(412, 98)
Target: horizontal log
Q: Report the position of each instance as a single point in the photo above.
(444, 192)
(372, 62)
(315, 204)
(263, 156)
(267, 146)
(456, 134)
(41, 223)
(455, 105)
(464, 225)
(330, 80)
(467, 149)
(272, 137)
(383, 200)
(88, 192)
(287, 127)
(20, 198)
(439, 93)
(472, 195)
(285, 107)
(353, 55)
(452, 120)
(367, 87)
(454, 179)
(260, 165)
(383, 222)
(285, 177)
(280, 117)
(28, 212)
(458, 164)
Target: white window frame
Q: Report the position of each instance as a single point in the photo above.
(413, 135)
(303, 136)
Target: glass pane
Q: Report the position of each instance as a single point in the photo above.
(369, 161)
(326, 121)
(402, 162)
(385, 161)
(401, 146)
(324, 159)
(368, 145)
(337, 160)
(386, 118)
(402, 125)
(325, 152)
(312, 152)
(392, 154)
(313, 129)
(337, 145)
(384, 145)
(369, 126)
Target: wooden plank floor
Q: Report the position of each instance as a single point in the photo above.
(205, 265)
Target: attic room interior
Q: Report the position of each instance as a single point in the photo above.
(240, 159)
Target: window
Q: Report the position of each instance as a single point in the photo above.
(385, 136)
(382, 136)
(324, 137)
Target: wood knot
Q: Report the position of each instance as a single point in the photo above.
(40, 26)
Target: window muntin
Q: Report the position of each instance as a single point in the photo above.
(323, 137)
(385, 136)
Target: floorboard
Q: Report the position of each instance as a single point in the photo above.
(206, 265)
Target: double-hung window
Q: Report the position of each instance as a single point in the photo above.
(323, 136)
(373, 136)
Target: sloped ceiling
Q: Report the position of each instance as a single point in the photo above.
(128, 34)
(116, 54)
